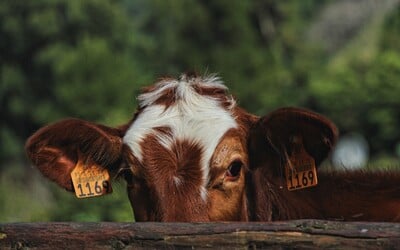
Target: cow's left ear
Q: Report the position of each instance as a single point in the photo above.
(272, 137)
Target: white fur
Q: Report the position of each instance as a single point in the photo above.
(193, 117)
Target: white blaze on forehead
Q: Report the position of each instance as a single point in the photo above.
(192, 117)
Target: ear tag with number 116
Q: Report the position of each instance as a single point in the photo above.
(301, 171)
(90, 181)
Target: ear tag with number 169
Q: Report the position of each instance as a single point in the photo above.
(301, 171)
(90, 181)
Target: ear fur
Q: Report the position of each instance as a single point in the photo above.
(56, 148)
(271, 137)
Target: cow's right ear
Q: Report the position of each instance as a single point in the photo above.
(55, 149)
(273, 138)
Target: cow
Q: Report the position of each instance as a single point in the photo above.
(191, 154)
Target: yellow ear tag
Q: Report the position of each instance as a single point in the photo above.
(301, 171)
(90, 181)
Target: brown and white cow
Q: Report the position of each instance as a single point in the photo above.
(191, 154)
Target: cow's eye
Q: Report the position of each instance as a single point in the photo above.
(233, 170)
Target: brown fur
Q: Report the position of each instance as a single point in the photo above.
(175, 200)
(347, 195)
(227, 199)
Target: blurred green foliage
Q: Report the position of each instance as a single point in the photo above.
(89, 59)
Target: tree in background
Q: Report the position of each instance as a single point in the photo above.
(256, 46)
(59, 58)
(358, 87)
(63, 58)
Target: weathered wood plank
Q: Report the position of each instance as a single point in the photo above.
(300, 234)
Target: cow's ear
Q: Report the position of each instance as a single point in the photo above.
(55, 149)
(272, 138)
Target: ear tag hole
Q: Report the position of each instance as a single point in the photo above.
(300, 168)
(90, 181)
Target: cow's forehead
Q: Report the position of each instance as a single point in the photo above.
(196, 109)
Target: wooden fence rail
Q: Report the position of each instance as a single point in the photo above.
(299, 234)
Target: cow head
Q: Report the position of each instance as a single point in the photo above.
(187, 152)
